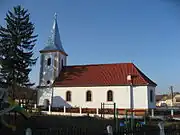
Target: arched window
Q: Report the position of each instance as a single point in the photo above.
(68, 96)
(49, 61)
(151, 96)
(109, 95)
(46, 103)
(88, 96)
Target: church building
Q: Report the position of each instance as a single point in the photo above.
(88, 86)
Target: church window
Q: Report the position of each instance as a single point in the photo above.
(68, 96)
(109, 95)
(88, 96)
(48, 82)
(49, 61)
(151, 96)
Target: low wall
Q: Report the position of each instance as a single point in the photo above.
(78, 111)
(110, 111)
(106, 116)
(93, 112)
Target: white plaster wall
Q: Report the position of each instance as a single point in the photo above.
(140, 97)
(44, 93)
(121, 95)
(47, 72)
(151, 104)
(62, 57)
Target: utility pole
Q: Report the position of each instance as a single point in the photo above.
(172, 94)
(130, 78)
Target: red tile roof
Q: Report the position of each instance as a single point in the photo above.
(101, 74)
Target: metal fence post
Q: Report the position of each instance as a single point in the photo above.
(49, 109)
(161, 127)
(80, 110)
(172, 112)
(97, 111)
(35, 106)
(64, 110)
(109, 130)
(152, 112)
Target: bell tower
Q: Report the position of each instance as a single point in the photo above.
(53, 57)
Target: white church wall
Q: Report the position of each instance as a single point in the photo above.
(61, 58)
(47, 72)
(140, 97)
(64, 58)
(99, 95)
(121, 96)
(44, 94)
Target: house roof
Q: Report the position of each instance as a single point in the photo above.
(24, 93)
(165, 97)
(170, 95)
(160, 97)
(101, 75)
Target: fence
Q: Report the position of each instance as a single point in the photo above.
(121, 131)
(57, 131)
(148, 132)
(78, 111)
(91, 111)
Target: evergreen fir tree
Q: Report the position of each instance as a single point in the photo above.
(16, 49)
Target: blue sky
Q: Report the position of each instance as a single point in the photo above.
(145, 32)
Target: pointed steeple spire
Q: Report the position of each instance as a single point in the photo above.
(54, 42)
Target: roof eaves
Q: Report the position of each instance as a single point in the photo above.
(56, 85)
(53, 50)
(144, 77)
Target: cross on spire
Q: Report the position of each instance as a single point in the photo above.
(55, 16)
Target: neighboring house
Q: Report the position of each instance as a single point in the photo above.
(25, 95)
(160, 100)
(176, 100)
(88, 86)
(21, 94)
(168, 100)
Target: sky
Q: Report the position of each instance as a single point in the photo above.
(145, 32)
